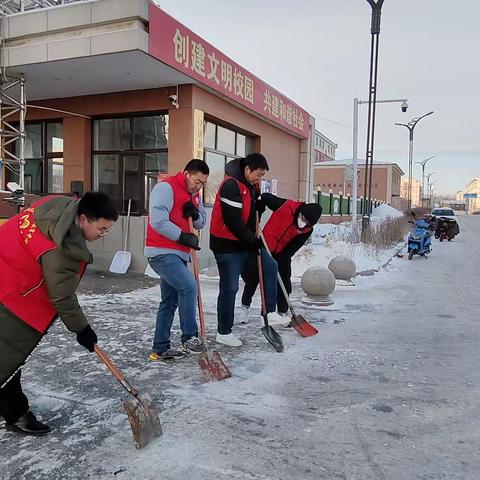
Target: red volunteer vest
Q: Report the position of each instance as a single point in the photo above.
(180, 196)
(22, 287)
(281, 227)
(217, 225)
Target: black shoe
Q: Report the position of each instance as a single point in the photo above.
(28, 425)
(170, 354)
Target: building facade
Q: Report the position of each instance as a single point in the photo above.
(471, 196)
(121, 94)
(336, 177)
(416, 191)
(324, 148)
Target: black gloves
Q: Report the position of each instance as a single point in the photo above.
(189, 240)
(87, 338)
(260, 205)
(258, 243)
(190, 210)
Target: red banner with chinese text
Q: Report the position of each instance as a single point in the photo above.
(174, 44)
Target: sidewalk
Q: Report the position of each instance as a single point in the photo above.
(70, 390)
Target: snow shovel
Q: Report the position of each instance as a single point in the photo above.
(304, 328)
(140, 409)
(268, 332)
(211, 363)
(121, 260)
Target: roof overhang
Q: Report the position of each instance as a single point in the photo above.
(106, 73)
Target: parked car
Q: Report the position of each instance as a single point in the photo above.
(444, 212)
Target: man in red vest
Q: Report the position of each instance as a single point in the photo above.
(168, 245)
(288, 228)
(43, 255)
(234, 242)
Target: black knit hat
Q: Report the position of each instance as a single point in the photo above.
(311, 212)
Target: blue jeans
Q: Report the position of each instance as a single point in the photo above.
(178, 288)
(230, 266)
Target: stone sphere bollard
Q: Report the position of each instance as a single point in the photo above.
(343, 268)
(318, 283)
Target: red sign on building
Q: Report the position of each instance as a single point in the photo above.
(174, 44)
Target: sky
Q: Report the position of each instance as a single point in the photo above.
(317, 53)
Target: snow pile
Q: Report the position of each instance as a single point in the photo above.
(366, 257)
(385, 211)
(321, 231)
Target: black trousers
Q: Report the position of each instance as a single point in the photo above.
(13, 402)
(250, 277)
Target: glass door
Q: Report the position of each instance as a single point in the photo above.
(131, 179)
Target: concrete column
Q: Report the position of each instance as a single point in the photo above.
(77, 152)
(180, 141)
(306, 173)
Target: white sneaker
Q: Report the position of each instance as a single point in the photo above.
(231, 340)
(276, 319)
(243, 317)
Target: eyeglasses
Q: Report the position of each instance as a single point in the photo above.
(104, 231)
(101, 231)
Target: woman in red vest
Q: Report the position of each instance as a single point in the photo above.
(43, 255)
(288, 228)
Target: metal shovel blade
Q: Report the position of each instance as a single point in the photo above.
(273, 337)
(304, 328)
(121, 262)
(213, 367)
(143, 419)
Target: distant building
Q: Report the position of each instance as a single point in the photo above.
(336, 176)
(324, 148)
(473, 188)
(416, 191)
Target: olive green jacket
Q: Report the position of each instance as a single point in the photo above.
(57, 219)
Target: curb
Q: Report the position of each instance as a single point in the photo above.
(369, 273)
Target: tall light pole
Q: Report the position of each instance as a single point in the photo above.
(423, 163)
(411, 127)
(372, 97)
(428, 180)
(431, 192)
(356, 103)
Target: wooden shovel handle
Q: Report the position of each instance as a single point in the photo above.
(279, 278)
(260, 269)
(115, 371)
(197, 278)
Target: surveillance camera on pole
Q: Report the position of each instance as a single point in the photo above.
(173, 99)
(356, 103)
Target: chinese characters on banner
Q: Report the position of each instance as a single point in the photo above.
(286, 112)
(177, 46)
(192, 54)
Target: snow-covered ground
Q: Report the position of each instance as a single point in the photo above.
(365, 257)
(388, 389)
(325, 245)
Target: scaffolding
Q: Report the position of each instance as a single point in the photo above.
(10, 7)
(13, 101)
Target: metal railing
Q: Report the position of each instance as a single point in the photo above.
(11, 7)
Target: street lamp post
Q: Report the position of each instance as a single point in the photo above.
(428, 179)
(372, 96)
(411, 127)
(431, 192)
(428, 192)
(356, 103)
(423, 163)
